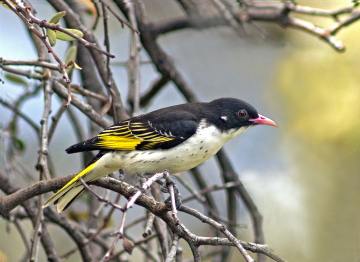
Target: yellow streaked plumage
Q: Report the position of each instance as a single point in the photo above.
(68, 186)
(124, 136)
(118, 142)
(127, 136)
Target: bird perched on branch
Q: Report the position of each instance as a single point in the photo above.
(175, 138)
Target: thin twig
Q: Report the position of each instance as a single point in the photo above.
(55, 120)
(228, 16)
(101, 199)
(149, 95)
(118, 17)
(108, 84)
(174, 246)
(22, 234)
(197, 195)
(31, 63)
(162, 237)
(149, 224)
(56, 27)
(219, 227)
(134, 61)
(85, 92)
(136, 243)
(28, 73)
(118, 235)
(23, 116)
(105, 222)
(212, 188)
(81, 105)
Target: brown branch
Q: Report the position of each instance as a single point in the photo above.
(81, 105)
(219, 227)
(136, 243)
(73, 21)
(149, 224)
(323, 34)
(162, 237)
(75, 234)
(31, 19)
(31, 63)
(161, 60)
(99, 198)
(212, 188)
(121, 20)
(273, 12)
(55, 120)
(351, 19)
(18, 196)
(42, 166)
(174, 246)
(28, 73)
(158, 84)
(202, 200)
(253, 247)
(134, 61)
(229, 16)
(89, 93)
(25, 13)
(22, 233)
(94, 236)
(202, 184)
(230, 176)
(23, 116)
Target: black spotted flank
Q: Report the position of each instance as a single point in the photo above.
(133, 156)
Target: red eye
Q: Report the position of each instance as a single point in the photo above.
(242, 113)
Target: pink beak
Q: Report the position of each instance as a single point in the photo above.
(262, 120)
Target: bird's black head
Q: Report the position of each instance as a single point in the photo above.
(232, 114)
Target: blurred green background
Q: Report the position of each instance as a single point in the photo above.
(304, 176)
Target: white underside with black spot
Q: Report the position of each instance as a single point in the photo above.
(205, 143)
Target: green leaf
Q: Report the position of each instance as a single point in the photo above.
(66, 37)
(19, 144)
(71, 54)
(16, 79)
(52, 36)
(56, 18)
(72, 64)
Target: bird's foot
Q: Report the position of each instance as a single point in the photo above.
(178, 198)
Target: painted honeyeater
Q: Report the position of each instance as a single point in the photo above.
(175, 138)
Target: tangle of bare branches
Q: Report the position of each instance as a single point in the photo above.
(99, 100)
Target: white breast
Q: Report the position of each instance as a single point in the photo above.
(206, 142)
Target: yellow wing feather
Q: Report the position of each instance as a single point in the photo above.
(127, 136)
(124, 136)
(116, 142)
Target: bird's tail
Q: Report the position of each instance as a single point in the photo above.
(67, 194)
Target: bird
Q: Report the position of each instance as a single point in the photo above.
(175, 138)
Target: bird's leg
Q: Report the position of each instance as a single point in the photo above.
(146, 175)
(170, 186)
(178, 197)
(165, 189)
(171, 189)
(144, 188)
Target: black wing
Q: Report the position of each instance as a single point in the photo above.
(161, 129)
